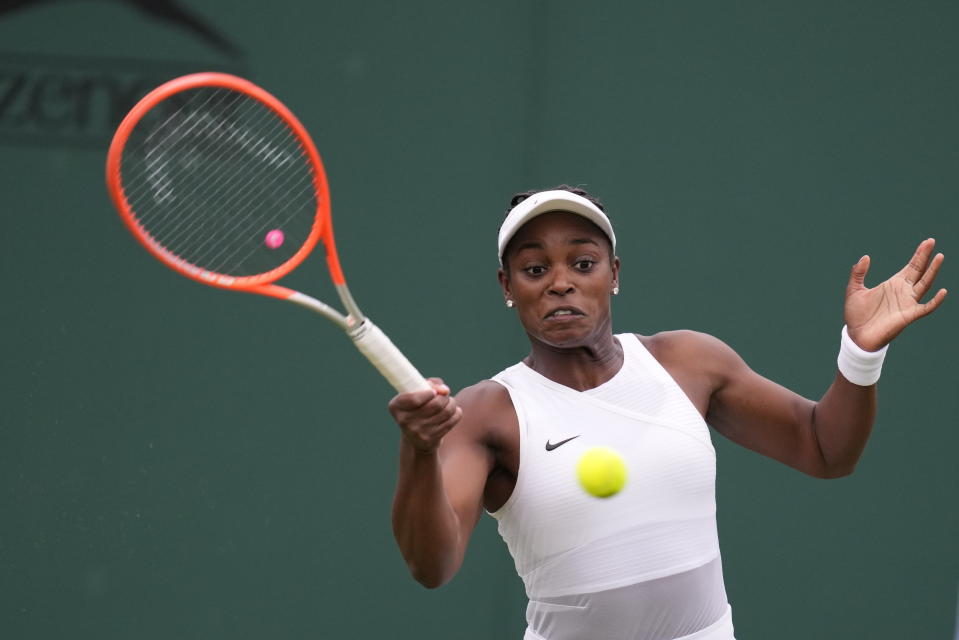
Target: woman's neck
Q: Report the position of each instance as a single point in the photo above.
(582, 367)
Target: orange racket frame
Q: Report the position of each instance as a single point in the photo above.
(261, 283)
(369, 339)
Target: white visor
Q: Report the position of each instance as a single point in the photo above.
(545, 202)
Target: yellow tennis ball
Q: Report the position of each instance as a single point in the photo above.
(601, 472)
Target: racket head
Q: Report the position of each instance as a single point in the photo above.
(221, 182)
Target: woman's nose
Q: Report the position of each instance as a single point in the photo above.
(561, 284)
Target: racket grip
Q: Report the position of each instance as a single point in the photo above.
(387, 359)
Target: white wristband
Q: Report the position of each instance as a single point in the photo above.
(859, 366)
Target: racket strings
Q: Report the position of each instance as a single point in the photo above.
(159, 149)
(261, 231)
(293, 197)
(240, 141)
(158, 155)
(219, 180)
(201, 203)
(184, 228)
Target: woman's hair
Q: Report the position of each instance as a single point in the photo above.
(519, 197)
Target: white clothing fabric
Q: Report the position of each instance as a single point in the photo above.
(722, 629)
(676, 606)
(627, 556)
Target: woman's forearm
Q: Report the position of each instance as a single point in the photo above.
(842, 421)
(425, 525)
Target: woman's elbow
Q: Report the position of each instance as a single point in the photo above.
(430, 578)
(833, 471)
(841, 471)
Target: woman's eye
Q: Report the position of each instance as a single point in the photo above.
(535, 270)
(585, 264)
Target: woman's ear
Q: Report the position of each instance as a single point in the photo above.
(504, 283)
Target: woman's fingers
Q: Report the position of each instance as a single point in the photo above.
(857, 276)
(435, 414)
(444, 427)
(932, 305)
(414, 405)
(425, 417)
(409, 402)
(426, 433)
(913, 271)
(439, 386)
(925, 282)
(415, 400)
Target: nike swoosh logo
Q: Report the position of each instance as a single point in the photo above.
(550, 446)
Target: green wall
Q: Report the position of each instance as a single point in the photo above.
(182, 462)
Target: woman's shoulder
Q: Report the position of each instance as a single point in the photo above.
(698, 362)
(687, 347)
(485, 395)
(488, 414)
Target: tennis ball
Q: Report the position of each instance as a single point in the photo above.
(601, 472)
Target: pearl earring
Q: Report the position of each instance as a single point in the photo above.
(509, 303)
(616, 290)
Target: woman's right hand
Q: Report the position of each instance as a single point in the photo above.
(425, 417)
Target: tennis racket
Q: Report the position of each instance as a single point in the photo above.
(222, 183)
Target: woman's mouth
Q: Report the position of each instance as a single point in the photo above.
(562, 313)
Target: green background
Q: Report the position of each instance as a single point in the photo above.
(177, 461)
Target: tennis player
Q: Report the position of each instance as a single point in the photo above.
(644, 564)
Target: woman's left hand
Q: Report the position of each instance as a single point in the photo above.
(875, 316)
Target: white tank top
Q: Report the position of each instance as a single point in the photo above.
(663, 523)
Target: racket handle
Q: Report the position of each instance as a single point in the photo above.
(388, 360)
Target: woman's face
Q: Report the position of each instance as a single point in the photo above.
(560, 276)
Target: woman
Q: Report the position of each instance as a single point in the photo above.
(644, 565)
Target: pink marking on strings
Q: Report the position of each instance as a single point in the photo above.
(274, 239)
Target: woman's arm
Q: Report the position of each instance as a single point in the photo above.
(442, 475)
(822, 439)
(826, 438)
